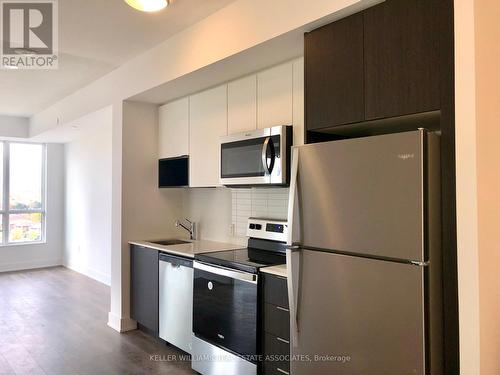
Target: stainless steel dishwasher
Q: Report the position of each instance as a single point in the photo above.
(176, 300)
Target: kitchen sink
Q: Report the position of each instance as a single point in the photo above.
(169, 242)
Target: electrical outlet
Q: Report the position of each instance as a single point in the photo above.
(231, 230)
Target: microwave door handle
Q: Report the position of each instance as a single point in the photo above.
(265, 145)
(268, 145)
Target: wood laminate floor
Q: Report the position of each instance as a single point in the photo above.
(53, 321)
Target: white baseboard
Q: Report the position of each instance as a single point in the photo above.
(93, 274)
(29, 264)
(121, 324)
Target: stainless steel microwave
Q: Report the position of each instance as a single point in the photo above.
(258, 157)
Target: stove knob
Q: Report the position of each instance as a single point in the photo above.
(210, 285)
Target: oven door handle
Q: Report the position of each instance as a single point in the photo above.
(268, 143)
(237, 275)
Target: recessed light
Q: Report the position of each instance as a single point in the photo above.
(148, 5)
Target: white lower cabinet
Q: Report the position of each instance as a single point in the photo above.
(207, 122)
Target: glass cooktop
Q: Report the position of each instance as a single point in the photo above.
(248, 260)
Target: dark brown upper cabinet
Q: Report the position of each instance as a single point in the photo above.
(401, 56)
(334, 73)
(380, 63)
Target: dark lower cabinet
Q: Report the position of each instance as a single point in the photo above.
(275, 290)
(277, 321)
(144, 287)
(334, 73)
(402, 58)
(276, 326)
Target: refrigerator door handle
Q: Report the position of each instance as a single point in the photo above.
(293, 225)
(293, 273)
(293, 250)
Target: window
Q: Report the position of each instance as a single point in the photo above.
(22, 193)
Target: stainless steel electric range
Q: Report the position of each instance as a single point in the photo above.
(226, 300)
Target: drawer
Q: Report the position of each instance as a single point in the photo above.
(275, 290)
(273, 369)
(277, 352)
(277, 321)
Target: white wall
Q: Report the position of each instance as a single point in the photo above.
(467, 232)
(144, 211)
(487, 30)
(88, 197)
(211, 209)
(147, 211)
(19, 257)
(14, 126)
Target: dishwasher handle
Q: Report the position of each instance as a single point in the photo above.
(175, 260)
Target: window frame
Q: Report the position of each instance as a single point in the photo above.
(5, 210)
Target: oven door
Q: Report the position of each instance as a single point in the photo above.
(257, 157)
(225, 308)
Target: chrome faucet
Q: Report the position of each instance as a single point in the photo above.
(190, 227)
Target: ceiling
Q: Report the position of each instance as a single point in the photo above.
(95, 37)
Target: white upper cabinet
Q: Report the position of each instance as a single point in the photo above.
(174, 129)
(242, 105)
(275, 96)
(193, 125)
(208, 122)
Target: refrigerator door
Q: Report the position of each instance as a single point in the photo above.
(359, 316)
(363, 196)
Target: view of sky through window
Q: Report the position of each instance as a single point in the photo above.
(25, 176)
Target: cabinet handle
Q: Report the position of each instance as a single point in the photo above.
(283, 340)
(282, 371)
(282, 308)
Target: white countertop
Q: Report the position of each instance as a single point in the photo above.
(279, 270)
(188, 250)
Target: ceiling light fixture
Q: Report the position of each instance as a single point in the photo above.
(148, 5)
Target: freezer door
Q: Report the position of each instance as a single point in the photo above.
(363, 196)
(358, 316)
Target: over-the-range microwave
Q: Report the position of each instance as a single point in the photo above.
(258, 157)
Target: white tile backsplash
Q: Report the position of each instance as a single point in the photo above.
(270, 203)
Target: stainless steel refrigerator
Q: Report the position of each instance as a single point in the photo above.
(364, 268)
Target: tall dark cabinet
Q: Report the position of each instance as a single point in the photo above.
(401, 53)
(400, 75)
(334, 73)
